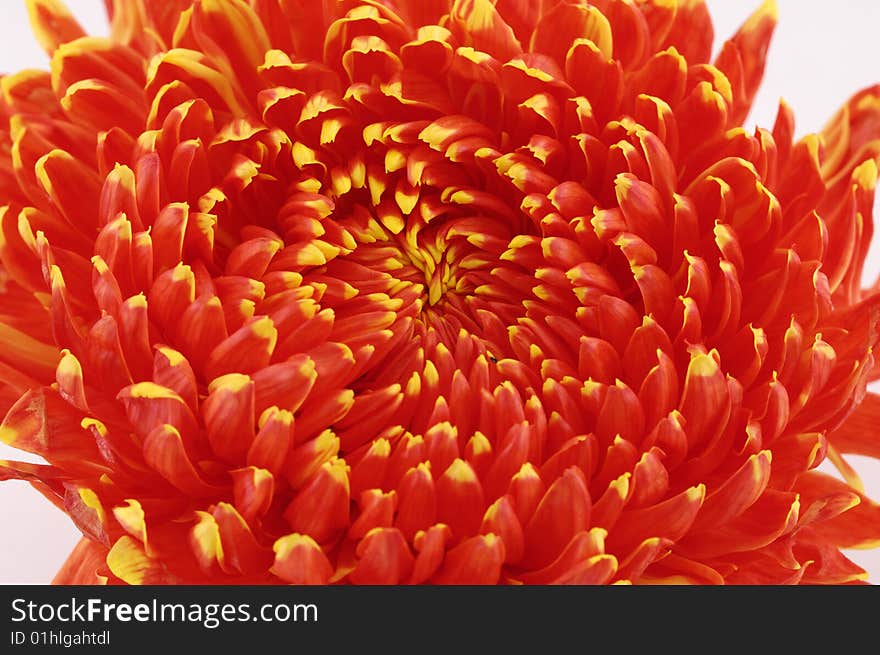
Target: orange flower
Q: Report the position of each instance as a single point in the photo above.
(434, 291)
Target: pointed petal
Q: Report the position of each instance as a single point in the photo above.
(563, 512)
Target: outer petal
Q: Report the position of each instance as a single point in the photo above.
(84, 565)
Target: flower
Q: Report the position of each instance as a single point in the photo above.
(434, 291)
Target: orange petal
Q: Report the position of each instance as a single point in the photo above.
(299, 560)
(526, 489)
(857, 434)
(431, 546)
(742, 58)
(650, 479)
(377, 511)
(774, 514)
(670, 519)
(512, 450)
(232, 29)
(475, 561)
(321, 508)
(165, 453)
(284, 385)
(41, 422)
(640, 558)
(597, 570)
(607, 510)
(247, 350)
(204, 540)
(581, 547)
(99, 106)
(559, 27)
(705, 398)
(70, 187)
(307, 458)
(52, 24)
(689, 29)
(460, 499)
(737, 494)
(370, 412)
(563, 512)
(172, 292)
(128, 562)
(228, 414)
(119, 197)
(84, 565)
(272, 443)
(383, 558)
(369, 471)
(500, 518)
(478, 24)
(104, 355)
(441, 440)
(241, 549)
(172, 370)
(417, 507)
(200, 329)
(854, 528)
(252, 490)
(68, 375)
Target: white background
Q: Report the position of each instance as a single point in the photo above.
(822, 53)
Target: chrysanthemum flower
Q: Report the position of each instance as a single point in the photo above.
(434, 291)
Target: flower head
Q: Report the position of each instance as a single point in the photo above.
(434, 291)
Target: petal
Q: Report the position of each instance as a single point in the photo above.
(228, 414)
(252, 490)
(84, 565)
(307, 458)
(284, 385)
(431, 546)
(383, 558)
(377, 511)
(774, 514)
(71, 188)
(247, 350)
(669, 519)
(854, 528)
(272, 443)
(705, 398)
(597, 570)
(52, 24)
(417, 507)
(475, 561)
(369, 471)
(857, 435)
(742, 58)
(321, 508)
(737, 494)
(526, 490)
(299, 560)
(563, 512)
(582, 546)
(460, 502)
(165, 453)
(479, 25)
(558, 28)
(242, 552)
(128, 562)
